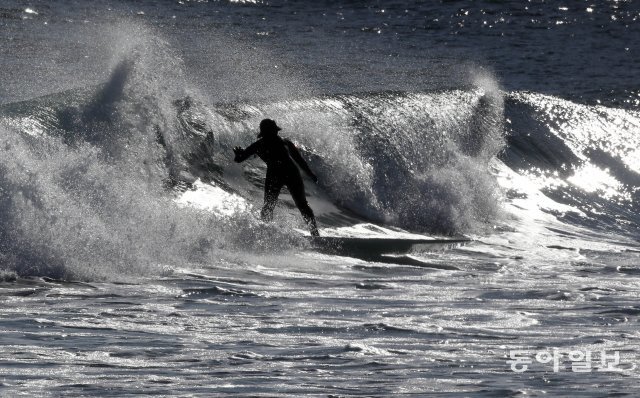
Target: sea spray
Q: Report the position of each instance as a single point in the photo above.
(87, 198)
(414, 160)
(90, 176)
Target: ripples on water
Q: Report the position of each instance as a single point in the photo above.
(310, 324)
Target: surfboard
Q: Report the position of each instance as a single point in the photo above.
(374, 247)
(372, 242)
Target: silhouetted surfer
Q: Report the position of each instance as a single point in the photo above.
(279, 155)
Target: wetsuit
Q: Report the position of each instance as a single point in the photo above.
(279, 155)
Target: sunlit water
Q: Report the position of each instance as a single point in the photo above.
(133, 262)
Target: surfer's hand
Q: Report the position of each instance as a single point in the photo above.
(238, 152)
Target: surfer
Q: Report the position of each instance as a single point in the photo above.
(279, 154)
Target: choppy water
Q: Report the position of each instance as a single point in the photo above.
(132, 261)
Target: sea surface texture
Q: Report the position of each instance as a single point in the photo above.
(133, 260)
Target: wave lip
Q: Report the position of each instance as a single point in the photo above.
(582, 156)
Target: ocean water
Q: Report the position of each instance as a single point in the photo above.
(132, 260)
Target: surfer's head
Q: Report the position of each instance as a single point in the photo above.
(268, 127)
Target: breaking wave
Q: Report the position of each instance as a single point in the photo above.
(93, 180)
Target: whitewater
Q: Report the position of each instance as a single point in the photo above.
(133, 260)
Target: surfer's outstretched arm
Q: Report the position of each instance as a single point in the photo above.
(295, 154)
(244, 154)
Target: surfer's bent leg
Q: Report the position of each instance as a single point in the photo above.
(272, 186)
(296, 189)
